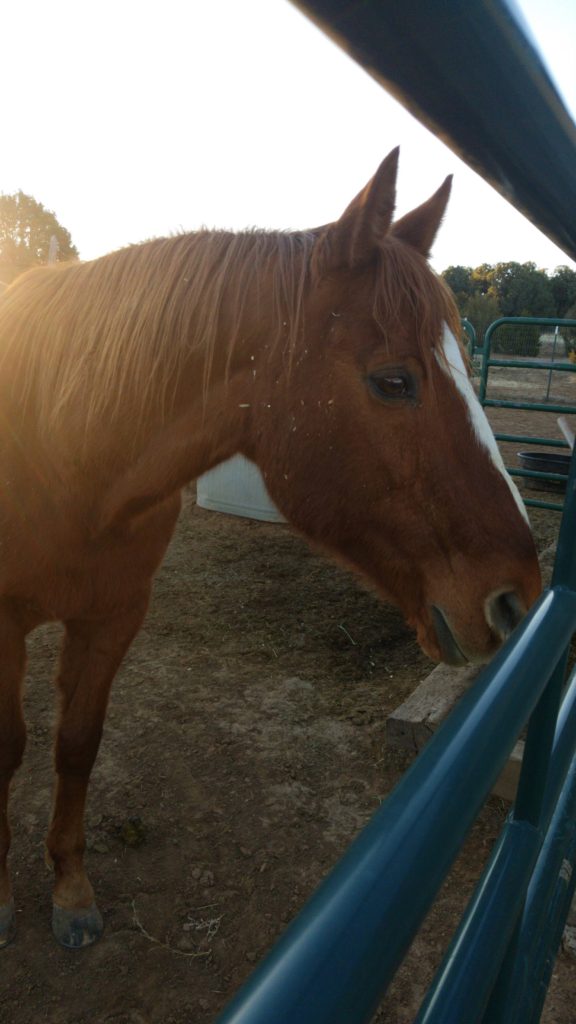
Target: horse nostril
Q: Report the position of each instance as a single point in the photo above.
(504, 611)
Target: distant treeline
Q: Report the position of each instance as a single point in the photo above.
(27, 230)
(511, 289)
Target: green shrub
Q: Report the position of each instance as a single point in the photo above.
(517, 340)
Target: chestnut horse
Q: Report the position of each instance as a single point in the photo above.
(328, 357)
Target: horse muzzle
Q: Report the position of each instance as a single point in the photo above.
(503, 611)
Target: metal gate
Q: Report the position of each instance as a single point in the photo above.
(509, 345)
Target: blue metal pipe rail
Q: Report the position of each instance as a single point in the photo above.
(467, 70)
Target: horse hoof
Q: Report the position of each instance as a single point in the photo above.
(75, 929)
(7, 923)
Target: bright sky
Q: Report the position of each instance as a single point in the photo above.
(132, 118)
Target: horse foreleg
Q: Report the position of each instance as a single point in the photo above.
(90, 658)
(12, 743)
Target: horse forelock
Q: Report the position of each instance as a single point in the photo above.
(408, 291)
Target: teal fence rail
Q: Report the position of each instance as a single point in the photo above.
(516, 344)
(470, 335)
(500, 110)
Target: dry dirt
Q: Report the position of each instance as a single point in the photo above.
(244, 747)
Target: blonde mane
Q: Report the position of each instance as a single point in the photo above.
(105, 342)
(110, 337)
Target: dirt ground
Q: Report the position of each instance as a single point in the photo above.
(244, 748)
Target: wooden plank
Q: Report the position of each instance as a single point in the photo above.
(412, 724)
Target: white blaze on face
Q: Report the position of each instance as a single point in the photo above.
(454, 366)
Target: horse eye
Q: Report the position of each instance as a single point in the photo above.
(391, 387)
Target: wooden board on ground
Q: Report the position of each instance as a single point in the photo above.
(412, 724)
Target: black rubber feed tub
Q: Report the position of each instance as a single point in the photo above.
(545, 462)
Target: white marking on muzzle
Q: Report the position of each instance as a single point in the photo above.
(454, 367)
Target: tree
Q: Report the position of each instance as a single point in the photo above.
(26, 230)
(513, 289)
(459, 280)
(482, 279)
(481, 311)
(522, 290)
(563, 285)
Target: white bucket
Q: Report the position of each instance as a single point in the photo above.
(237, 488)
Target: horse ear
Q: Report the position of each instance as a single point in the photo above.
(419, 227)
(353, 240)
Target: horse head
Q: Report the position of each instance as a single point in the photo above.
(376, 447)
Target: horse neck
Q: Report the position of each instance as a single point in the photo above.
(152, 406)
(220, 399)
